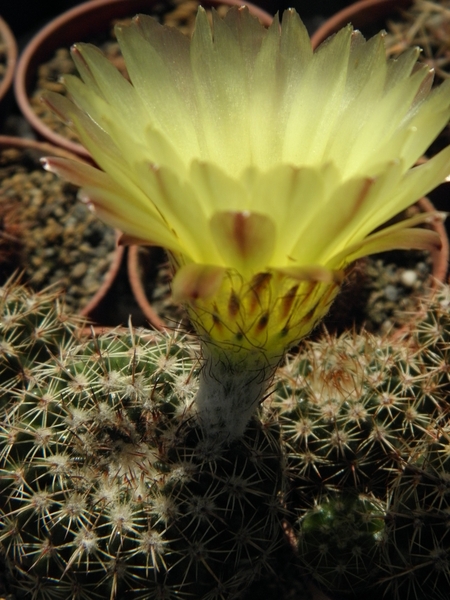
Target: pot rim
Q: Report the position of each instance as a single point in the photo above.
(11, 56)
(70, 27)
(439, 256)
(138, 290)
(359, 14)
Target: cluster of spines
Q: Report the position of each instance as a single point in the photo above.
(109, 488)
(416, 552)
(359, 415)
(352, 409)
(33, 326)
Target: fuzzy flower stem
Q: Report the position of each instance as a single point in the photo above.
(231, 390)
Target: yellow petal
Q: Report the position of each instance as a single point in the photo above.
(415, 183)
(158, 63)
(407, 239)
(312, 273)
(103, 79)
(87, 128)
(138, 216)
(247, 31)
(79, 173)
(329, 64)
(216, 190)
(404, 234)
(219, 78)
(245, 240)
(401, 67)
(387, 115)
(304, 193)
(97, 183)
(194, 281)
(177, 201)
(138, 224)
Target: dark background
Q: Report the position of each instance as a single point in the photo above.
(25, 17)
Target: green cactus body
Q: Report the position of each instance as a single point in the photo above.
(109, 488)
(353, 410)
(33, 326)
(416, 557)
(432, 333)
(340, 542)
(360, 416)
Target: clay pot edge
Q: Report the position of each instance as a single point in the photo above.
(358, 14)
(11, 56)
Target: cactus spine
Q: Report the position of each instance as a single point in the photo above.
(416, 557)
(359, 415)
(109, 489)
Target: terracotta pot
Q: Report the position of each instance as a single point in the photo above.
(360, 14)
(439, 257)
(79, 24)
(7, 38)
(140, 270)
(91, 307)
(39, 150)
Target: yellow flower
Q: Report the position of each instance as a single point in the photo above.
(262, 167)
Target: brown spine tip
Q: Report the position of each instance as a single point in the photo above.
(257, 286)
(288, 300)
(262, 322)
(234, 304)
(217, 322)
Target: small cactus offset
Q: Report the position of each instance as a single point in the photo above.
(110, 490)
(340, 541)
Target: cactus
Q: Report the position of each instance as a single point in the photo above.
(108, 487)
(432, 334)
(416, 557)
(340, 541)
(360, 416)
(353, 409)
(33, 326)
